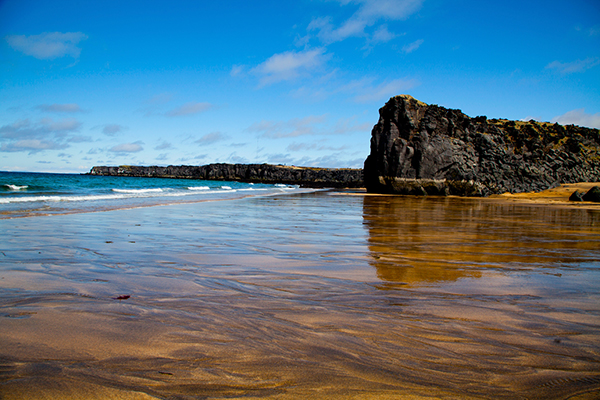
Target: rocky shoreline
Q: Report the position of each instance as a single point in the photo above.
(425, 149)
(255, 173)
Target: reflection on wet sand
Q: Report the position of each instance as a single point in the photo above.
(415, 240)
(282, 298)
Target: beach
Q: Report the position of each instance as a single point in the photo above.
(325, 294)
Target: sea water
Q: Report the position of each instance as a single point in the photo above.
(29, 194)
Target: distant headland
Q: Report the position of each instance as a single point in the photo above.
(421, 149)
(254, 173)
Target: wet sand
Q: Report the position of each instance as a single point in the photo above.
(317, 295)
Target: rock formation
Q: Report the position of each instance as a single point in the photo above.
(591, 195)
(426, 149)
(257, 173)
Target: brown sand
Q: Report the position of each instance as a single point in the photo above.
(302, 297)
(557, 196)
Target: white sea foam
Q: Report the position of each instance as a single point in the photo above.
(138, 191)
(281, 186)
(198, 188)
(31, 199)
(226, 187)
(230, 190)
(16, 187)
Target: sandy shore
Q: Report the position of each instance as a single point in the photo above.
(300, 297)
(557, 196)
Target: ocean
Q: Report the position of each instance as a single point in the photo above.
(134, 288)
(30, 194)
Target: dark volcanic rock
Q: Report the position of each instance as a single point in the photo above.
(576, 196)
(426, 149)
(592, 195)
(258, 173)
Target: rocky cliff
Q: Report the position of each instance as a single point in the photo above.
(426, 149)
(258, 173)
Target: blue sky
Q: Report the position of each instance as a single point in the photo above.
(298, 83)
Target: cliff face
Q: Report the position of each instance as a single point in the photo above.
(426, 149)
(258, 173)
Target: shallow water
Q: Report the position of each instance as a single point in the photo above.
(30, 194)
(320, 295)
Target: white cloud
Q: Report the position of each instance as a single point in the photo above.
(385, 90)
(190, 108)
(290, 65)
(285, 129)
(388, 9)
(161, 98)
(163, 146)
(574, 66)
(25, 129)
(127, 147)
(369, 13)
(112, 129)
(409, 48)
(80, 139)
(333, 160)
(579, 117)
(211, 138)
(48, 45)
(301, 146)
(60, 108)
(235, 159)
(348, 125)
(363, 90)
(237, 70)
(32, 145)
(314, 146)
(63, 125)
(382, 35)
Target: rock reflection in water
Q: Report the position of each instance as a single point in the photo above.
(416, 240)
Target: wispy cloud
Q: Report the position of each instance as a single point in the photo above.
(314, 146)
(290, 65)
(163, 146)
(211, 138)
(48, 45)
(190, 108)
(127, 147)
(237, 70)
(60, 108)
(32, 146)
(409, 48)
(112, 129)
(579, 117)
(363, 90)
(369, 13)
(25, 129)
(285, 129)
(161, 98)
(382, 35)
(574, 66)
(332, 160)
(349, 125)
(385, 90)
(80, 139)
